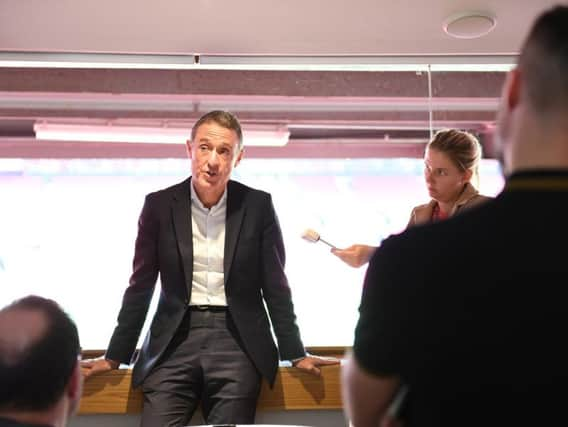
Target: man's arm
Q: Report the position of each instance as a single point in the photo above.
(136, 300)
(275, 288)
(278, 297)
(138, 294)
(366, 397)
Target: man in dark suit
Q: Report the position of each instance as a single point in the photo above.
(217, 246)
(470, 313)
(40, 376)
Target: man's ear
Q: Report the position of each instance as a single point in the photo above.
(188, 147)
(239, 157)
(74, 388)
(512, 91)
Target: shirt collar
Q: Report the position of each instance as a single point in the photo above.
(538, 179)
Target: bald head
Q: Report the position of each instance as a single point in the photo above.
(543, 62)
(20, 331)
(39, 345)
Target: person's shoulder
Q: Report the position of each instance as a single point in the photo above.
(478, 199)
(422, 207)
(417, 210)
(422, 213)
(412, 241)
(478, 208)
(430, 236)
(181, 188)
(401, 261)
(437, 253)
(247, 191)
(183, 185)
(471, 197)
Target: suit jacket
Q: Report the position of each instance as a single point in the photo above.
(253, 268)
(470, 197)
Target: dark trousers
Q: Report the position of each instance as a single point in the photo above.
(205, 363)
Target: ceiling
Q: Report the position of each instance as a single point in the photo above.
(358, 79)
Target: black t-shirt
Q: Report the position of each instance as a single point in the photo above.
(471, 314)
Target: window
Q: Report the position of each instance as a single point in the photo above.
(67, 229)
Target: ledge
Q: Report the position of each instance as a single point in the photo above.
(110, 393)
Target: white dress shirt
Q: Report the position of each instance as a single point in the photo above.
(208, 226)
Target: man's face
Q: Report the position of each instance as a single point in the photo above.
(214, 153)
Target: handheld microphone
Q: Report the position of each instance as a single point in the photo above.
(314, 237)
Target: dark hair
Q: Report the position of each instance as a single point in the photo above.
(462, 148)
(222, 118)
(34, 377)
(543, 62)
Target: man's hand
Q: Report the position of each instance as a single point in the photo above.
(311, 363)
(97, 366)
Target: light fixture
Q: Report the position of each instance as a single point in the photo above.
(469, 25)
(253, 135)
(381, 63)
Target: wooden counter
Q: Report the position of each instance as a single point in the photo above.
(111, 393)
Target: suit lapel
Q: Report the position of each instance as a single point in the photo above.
(181, 215)
(235, 215)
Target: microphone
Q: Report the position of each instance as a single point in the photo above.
(313, 236)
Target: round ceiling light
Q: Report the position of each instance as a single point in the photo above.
(469, 25)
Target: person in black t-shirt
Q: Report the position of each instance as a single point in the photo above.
(470, 313)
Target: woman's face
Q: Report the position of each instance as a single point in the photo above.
(444, 179)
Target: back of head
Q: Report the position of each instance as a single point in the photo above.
(462, 148)
(223, 119)
(39, 346)
(543, 62)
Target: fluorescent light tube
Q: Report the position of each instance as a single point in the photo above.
(253, 135)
